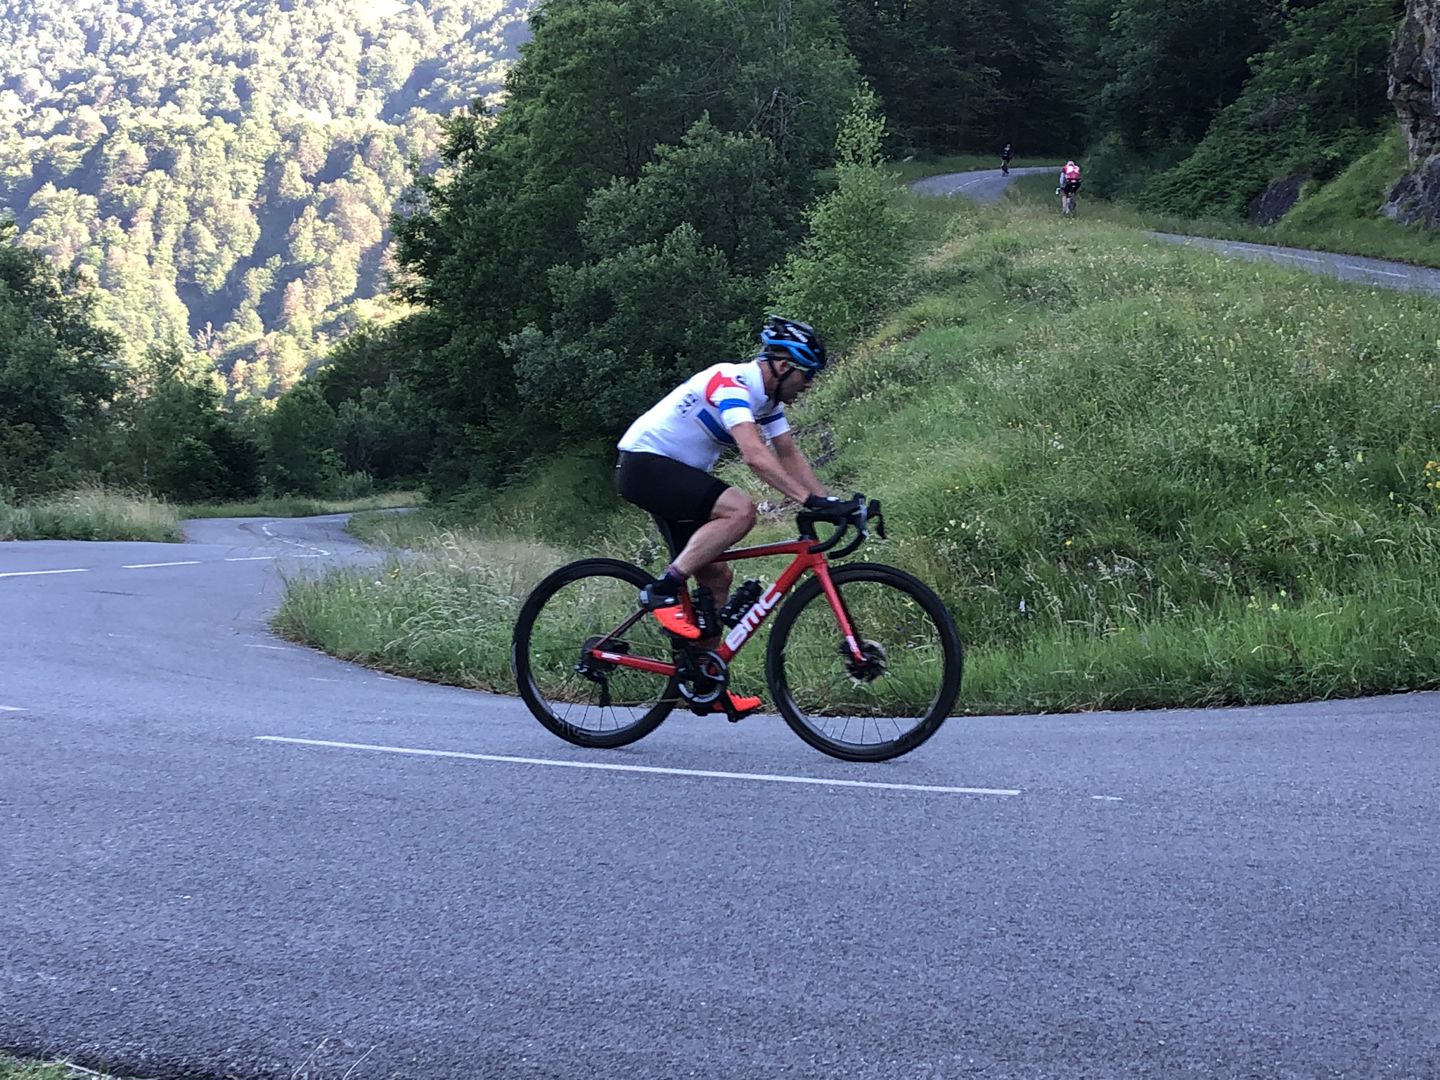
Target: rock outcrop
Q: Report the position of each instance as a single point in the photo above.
(1276, 200)
(1415, 92)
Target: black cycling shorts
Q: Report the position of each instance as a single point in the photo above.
(679, 497)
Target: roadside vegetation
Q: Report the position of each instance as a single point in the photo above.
(1138, 476)
(89, 514)
(1341, 216)
(100, 514)
(15, 1069)
(299, 506)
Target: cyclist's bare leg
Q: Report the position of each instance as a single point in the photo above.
(732, 517)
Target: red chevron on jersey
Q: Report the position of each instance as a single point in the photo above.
(717, 381)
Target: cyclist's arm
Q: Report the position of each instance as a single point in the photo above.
(766, 463)
(793, 462)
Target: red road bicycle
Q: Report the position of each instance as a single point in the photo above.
(864, 661)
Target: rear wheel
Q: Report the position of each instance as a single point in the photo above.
(898, 697)
(581, 699)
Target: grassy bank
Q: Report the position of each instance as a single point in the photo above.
(98, 514)
(15, 1069)
(297, 506)
(1138, 476)
(1340, 216)
(90, 514)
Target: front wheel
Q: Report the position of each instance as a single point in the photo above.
(583, 700)
(902, 693)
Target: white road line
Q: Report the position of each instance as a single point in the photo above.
(319, 551)
(1108, 798)
(1301, 258)
(37, 573)
(1369, 270)
(251, 558)
(11, 708)
(150, 565)
(705, 773)
(277, 648)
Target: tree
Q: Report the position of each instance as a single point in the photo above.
(855, 256)
(178, 441)
(58, 371)
(301, 434)
(1311, 106)
(603, 88)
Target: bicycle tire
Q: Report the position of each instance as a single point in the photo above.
(953, 654)
(522, 660)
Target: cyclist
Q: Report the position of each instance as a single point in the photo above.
(667, 454)
(1005, 156)
(1069, 181)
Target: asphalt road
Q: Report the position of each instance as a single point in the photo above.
(988, 185)
(983, 185)
(185, 893)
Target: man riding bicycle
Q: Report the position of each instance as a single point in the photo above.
(667, 454)
(1069, 182)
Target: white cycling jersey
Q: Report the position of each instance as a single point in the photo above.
(692, 423)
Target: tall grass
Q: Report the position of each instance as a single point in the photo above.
(15, 1069)
(298, 506)
(445, 613)
(1138, 476)
(89, 514)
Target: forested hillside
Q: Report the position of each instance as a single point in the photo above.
(1196, 109)
(652, 178)
(224, 172)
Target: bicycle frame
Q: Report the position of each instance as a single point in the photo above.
(806, 558)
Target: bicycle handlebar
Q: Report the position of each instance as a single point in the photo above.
(861, 520)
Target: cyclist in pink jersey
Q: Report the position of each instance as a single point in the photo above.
(667, 454)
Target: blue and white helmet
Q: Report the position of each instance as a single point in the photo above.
(797, 342)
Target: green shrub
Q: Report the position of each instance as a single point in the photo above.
(847, 272)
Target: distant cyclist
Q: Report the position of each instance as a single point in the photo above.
(1005, 156)
(1069, 182)
(667, 454)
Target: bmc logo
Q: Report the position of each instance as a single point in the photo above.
(753, 618)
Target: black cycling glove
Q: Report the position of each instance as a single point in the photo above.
(830, 508)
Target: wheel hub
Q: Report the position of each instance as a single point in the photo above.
(874, 664)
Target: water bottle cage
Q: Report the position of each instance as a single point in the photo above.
(702, 603)
(741, 601)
